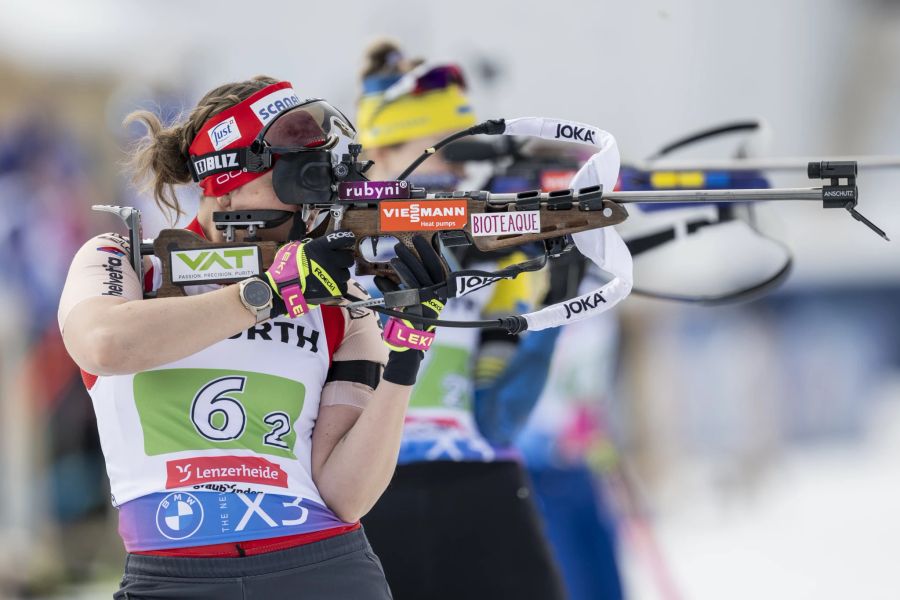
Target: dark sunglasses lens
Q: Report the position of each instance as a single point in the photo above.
(308, 126)
(296, 128)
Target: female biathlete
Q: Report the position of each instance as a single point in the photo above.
(457, 520)
(242, 445)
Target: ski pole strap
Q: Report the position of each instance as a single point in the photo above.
(284, 276)
(293, 299)
(401, 334)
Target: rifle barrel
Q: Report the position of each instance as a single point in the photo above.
(671, 196)
(682, 196)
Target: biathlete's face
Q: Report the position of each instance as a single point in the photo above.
(271, 122)
(258, 195)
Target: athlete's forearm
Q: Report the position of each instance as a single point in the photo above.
(361, 465)
(106, 336)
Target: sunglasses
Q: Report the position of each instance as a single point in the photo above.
(313, 125)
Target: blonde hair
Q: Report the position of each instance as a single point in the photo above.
(159, 160)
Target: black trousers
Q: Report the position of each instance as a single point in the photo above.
(462, 530)
(339, 567)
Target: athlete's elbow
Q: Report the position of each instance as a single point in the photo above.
(349, 509)
(349, 515)
(102, 352)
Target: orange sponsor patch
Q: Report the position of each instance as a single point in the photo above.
(424, 215)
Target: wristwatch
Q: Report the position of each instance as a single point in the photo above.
(256, 295)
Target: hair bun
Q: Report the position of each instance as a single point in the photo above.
(384, 57)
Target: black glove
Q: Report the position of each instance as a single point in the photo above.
(315, 269)
(407, 339)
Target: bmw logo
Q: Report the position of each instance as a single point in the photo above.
(179, 516)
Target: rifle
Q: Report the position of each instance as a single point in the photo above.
(373, 210)
(518, 165)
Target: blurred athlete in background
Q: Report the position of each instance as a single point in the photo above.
(457, 520)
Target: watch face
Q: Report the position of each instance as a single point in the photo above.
(257, 293)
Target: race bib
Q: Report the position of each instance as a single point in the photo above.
(203, 409)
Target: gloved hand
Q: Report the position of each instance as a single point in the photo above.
(407, 339)
(311, 269)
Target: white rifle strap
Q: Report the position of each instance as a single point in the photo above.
(604, 247)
